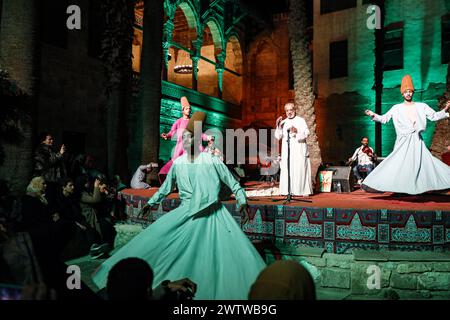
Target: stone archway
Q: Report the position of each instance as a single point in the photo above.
(207, 75)
(232, 83)
(184, 33)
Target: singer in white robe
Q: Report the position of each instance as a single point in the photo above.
(300, 165)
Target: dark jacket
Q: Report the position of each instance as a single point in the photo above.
(36, 217)
(68, 208)
(48, 163)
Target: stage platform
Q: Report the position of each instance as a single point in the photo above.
(336, 222)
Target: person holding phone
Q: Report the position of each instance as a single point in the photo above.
(49, 164)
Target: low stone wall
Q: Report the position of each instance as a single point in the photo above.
(403, 275)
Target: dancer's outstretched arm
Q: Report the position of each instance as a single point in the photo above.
(385, 118)
(172, 131)
(165, 189)
(239, 193)
(436, 116)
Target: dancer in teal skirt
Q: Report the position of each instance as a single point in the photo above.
(200, 239)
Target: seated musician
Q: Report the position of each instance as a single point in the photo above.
(366, 160)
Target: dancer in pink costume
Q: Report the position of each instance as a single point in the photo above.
(178, 129)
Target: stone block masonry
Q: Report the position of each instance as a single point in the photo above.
(424, 276)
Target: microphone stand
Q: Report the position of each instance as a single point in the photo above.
(289, 196)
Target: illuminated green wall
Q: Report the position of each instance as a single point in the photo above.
(422, 59)
(342, 101)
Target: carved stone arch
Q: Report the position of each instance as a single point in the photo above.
(217, 33)
(169, 9)
(189, 9)
(191, 14)
(231, 32)
(260, 42)
(234, 38)
(234, 61)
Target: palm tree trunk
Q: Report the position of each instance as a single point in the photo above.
(301, 60)
(20, 57)
(441, 137)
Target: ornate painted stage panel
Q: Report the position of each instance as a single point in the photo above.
(338, 230)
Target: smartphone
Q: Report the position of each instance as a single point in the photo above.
(10, 292)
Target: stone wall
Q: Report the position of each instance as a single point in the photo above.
(404, 275)
(71, 96)
(266, 80)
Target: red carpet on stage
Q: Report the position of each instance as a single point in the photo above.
(358, 199)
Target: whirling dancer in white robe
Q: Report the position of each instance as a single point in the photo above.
(410, 168)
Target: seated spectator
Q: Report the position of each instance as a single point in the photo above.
(283, 280)
(132, 279)
(36, 217)
(17, 257)
(68, 208)
(89, 200)
(77, 167)
(119, 205)
(138, 180)
(212, 149)
(105, 212)
(117, 183)
(47, 232)
(8, 206)
(38, 291)
(446, 156)
(90, 167)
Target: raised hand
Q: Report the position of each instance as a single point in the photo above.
(244, 210)
(145, 210)
(447, 106)
(55, 217)
(182, 285)
(278, 121)
(369, 113)
(164, 136)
